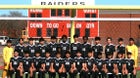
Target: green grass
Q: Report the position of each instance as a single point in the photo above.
(138, 74)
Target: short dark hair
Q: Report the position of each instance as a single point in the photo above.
(85, 37)
(53, 37)
(129, 53)
(58, 53)
(75, 36)
(21, 39)
(64, 36)
(68, 52)
(97, 38)
(108, 38)
(47, 52)
(41, 39)
(31, 39)
(26, 52)
(131, 39)
(9, 41)
(120, 39)
(78, 51)
(16, 51)
(99, 53)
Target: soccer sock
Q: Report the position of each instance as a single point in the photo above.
(4, 74)
(134, 76)
(120, 76)
(131, 76)
(124, 76)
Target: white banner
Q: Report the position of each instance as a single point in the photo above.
(63, 2)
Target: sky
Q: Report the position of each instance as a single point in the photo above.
(97, 2)
(14, 2)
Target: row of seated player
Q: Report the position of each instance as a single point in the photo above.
(64, 46)
(88, 67)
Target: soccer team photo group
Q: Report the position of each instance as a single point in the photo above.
(62, 59)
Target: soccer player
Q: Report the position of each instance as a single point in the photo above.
(119, 60)
(47, 60)
(121, 47)
(130, 63)
(97, 48)
(109, 65)
(14, 64)
(133, 49)
(7, 54)
(36, 64)
(52, 71)
(110, 48)
(68, 61)
(42, 47)
(115, 68)
(27, 61)
(91, 65)
(31, 47)
(65, 45)
(75, 46)
(53, 46)
(85, 47)
(79, 60)
(100, 70)
(59, 65)
(20, 47)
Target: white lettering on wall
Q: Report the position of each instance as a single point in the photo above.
(90, 25)
(52, 25)
(89, 11)
(36, 25)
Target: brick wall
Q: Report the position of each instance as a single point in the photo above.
(118, 29)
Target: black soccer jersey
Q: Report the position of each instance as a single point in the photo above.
(57, 63)
(130, 63)
(78, 61)
(119, 63)
(109, 65)
(98, 48)
(31, 49)
(109, 49)
(20, 48)
(100, 63)
(15, 62)
(37, 62)
(42, 49)
(64, 48)
(68, 62)
(48, 62)
(74, 48)
(53, 47)
(90, 62)
(85, 47)
(121, 49)
(27, 61)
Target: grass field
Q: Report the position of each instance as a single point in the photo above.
(138, 74)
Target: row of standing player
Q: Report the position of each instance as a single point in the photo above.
(53, 47)
(88, 67)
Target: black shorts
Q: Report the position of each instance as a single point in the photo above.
(130, 70)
